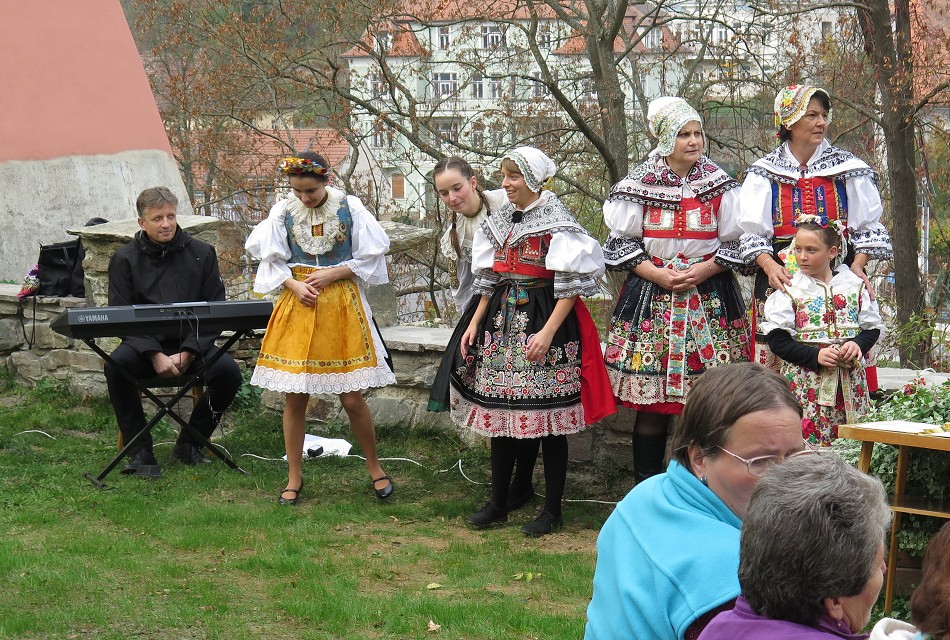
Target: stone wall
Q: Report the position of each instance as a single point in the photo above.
(416, 354)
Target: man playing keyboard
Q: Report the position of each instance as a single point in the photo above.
(161, 265)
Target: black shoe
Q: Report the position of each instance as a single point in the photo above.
(488, 516)
(544, 524)
(188, 453)
(143, 463)
(288, 502)
(519, 501)
(386, 491)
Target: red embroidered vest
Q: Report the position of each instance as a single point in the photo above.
(525, 258)
(821, 196)
(693, 220)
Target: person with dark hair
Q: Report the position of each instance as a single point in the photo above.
(457, 186)
(323, 247)
(163, 265)
(524, 363)
(811, 555)
(674, 229)
(804, 175)
(822, 326)
(667, 556)
(930, 602)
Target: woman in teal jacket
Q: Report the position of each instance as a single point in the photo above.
(668, 556)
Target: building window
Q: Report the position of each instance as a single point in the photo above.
(545, 36)
(495, 88)
(652, 37)
(385, 40)
(587, 90)
(826, 31)
(477, 138)
(538, 90)
(722, 33)
(397, 183)
(382, 138)
(444, 84)
(377, 86)
(448, 129)
(492, 36)
(444, 41)
(478, 88)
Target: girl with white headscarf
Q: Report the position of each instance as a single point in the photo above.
(674, 226)
(524, 365)
(805, 175)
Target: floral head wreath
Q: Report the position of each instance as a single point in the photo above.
(821, 221)
(297, 166)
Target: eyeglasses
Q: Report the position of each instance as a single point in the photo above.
(760, 465)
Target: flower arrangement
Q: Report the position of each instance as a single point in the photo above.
(297, 166)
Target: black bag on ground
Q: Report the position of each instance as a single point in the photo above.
(57, 262)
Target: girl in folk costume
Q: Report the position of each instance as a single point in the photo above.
(324, 248)
(673, 224)
(805, 175)
(458, 187)
(821, 326)
(524, 363)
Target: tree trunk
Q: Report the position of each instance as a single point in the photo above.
(888, 45)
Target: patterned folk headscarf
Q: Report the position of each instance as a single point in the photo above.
(791, 103)
(535, 166)
(666, 116)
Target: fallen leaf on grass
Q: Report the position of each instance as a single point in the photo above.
(526, 576)
(433, 627)
(433, 585)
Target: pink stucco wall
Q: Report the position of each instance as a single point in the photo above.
(72, 83)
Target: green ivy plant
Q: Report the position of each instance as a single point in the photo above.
(927, 472)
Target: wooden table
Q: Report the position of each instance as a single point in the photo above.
(868, 434)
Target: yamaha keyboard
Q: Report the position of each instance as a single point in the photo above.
(146, 319)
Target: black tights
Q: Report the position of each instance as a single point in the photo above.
(506, 452)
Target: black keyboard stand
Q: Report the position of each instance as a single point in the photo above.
(165, 408)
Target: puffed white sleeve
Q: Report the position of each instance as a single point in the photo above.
(869, 313)
(577, 262)
(755, 217)
(370, 244)
(864, 218)
(624, 248)
(779, 314)
(483, 259)
(268, 243)
(729, 254)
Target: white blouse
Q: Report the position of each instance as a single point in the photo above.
(269, 243)
(569, 252)
(755, 207)
(625, 218)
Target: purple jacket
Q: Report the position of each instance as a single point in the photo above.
(742, 623)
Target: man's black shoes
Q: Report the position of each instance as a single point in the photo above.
(188, 453)
(142, 463)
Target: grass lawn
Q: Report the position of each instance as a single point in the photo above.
(207, 552)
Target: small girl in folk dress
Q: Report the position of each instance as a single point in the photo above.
(324, 247)
(822, 326)
(525, 363)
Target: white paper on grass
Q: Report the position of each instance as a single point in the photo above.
(331, 446)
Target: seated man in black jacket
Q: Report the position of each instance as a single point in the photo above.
(163, 264)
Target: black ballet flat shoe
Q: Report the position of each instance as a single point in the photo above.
(487, 516)
(386, 491)
(544, 524)
(288, 502)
